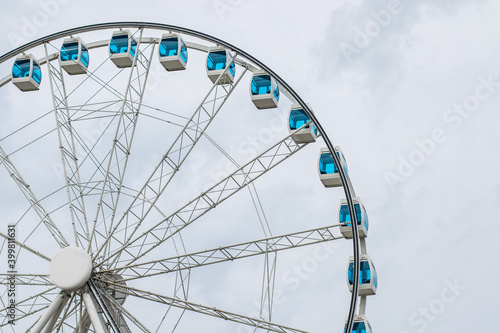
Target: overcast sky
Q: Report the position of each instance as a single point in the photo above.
(409, 90)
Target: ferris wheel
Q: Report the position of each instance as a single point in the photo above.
(142, 163)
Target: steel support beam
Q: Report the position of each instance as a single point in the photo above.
(69, 157)
(208, 200)
(173, 159)
(226, 253)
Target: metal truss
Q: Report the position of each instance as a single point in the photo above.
(120, 313)
(210, 311)
(26, 247)
(117, 239)
(84, 323)
(113, 316)
(172, 160)
(34, 202)
(122, 142)
(225, 253)
(208, 200)
(95, 317)
(68, 154)
(29, 306)
(73, 306)
(26, 279)
(48, 319)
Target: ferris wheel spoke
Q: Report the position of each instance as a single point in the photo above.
(34, 202)
(173, 159)
(183, 276)
(106, 84)
(48, 319)
(182, 284)
(88, 109)
(96, 298)
(105, 107)
(26, 279)
(123, 311)
(269, 274)
(140, 245)
(94, 317)
(206, 310)
(26, 247)
(84, 323)
(208, 200)
(29, 306)
(69, 157)
(268, 282)
(226, 253)
(76, 109)
(122, 143)
(70, 309)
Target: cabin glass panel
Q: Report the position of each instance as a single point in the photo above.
(298, 118)
(37, 73)
(169, 47)
(133, 47)
(364, 273)
(366, 218)
(345, 216)
(261, 85)
(119, 44)
(69, 51)
(360, 327)
(326, 164)
(232, 68)
(375, 278)
(344, 163)
(21, 68)
(184, 52)
(218, 60)
(85, 57)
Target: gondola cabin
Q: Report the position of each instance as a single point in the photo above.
(367, 278)
(217, 61)
(345, 218)
(26, 73)
(360, 325)
(328, 171)
(122, 48)
(74, 56)
(173, 52)
(297, 119)
(264, 91)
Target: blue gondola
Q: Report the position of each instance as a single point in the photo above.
(360, 325)
(217, 61)
(328, 171)
(74, 56)
(368, 276)
(26, 73)
(296, 120)
(345, 218)
(173, 52)
(264, 91)
(122, 48)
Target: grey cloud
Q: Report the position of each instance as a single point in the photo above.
(371, 37)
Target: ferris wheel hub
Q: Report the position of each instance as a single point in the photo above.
(70, 268)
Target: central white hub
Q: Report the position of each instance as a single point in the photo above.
(70, 268)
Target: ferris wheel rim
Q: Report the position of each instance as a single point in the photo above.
(348, 189)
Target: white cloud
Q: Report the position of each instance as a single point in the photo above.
(438, 225)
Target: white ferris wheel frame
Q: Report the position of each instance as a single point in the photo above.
(252, 64)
